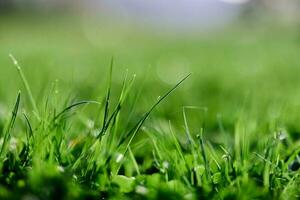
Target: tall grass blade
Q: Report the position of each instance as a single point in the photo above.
(11, 124)
(204, 155)
(25, 82)
(107, 99)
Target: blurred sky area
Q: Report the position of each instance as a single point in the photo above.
(175, 15)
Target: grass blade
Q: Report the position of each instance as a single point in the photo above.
(72, 106)
(25, 82)
(11, 123)
(204, 155)
(131, 134)
(106, 110)
(29, 125)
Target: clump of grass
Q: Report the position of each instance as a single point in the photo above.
(59, 157)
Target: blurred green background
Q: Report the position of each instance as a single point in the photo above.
(248, 64)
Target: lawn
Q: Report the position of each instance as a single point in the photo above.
(97, 110)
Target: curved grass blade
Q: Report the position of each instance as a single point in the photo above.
(139, 124)
(29, 125)
(72, 106)
(11, 123)
(131, 134)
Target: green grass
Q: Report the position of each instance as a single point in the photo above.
(138, 127)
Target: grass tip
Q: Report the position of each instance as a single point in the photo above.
(14, 60)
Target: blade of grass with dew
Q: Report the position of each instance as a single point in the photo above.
(25, 82)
